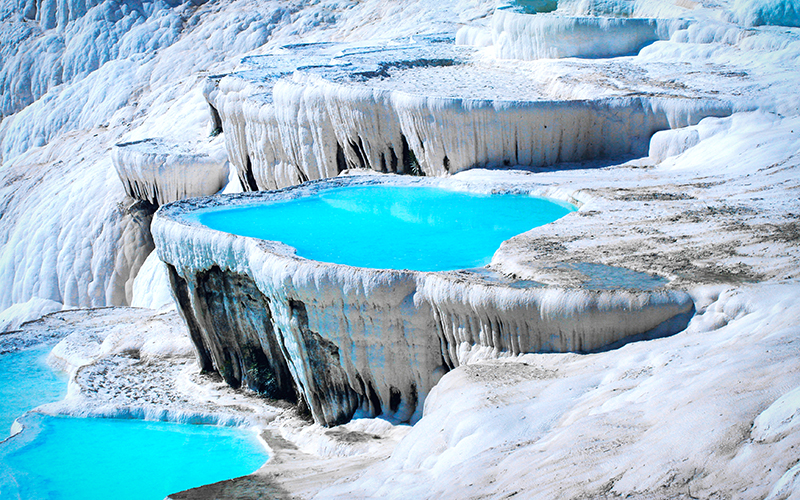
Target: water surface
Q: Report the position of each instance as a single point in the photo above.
(61, 458)
(390, 227)
(26, 381)
(87, 458)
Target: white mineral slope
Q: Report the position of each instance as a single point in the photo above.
(69, 235)
(81, 77)
(47, 43)
(700, 414)
(131, 92)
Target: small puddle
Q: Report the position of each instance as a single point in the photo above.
(588, 275)
(497, 278)
(603, 277)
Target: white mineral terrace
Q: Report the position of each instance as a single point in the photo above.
(159, 172)
(425, 106)
(376, 341)
(525, 36)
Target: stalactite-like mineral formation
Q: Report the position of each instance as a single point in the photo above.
(351, 341)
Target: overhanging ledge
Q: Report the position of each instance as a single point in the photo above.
(347, 341)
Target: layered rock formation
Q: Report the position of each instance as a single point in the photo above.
(313, 111)
(158, 172)
(353, 341)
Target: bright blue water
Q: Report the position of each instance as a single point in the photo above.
(85, 459)
(25, 383)
(390, 227)
(59, 458)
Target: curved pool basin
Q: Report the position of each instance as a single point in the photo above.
(90, 458)
(351, 340)
(418, 228)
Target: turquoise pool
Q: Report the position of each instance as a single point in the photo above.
(390, 227)
(84, 458)
(26, 381)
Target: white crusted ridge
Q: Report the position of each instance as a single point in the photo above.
(47, 43)
(151, 286)
(17, 314)
(373, 342)
(541, 36)
(157, 171)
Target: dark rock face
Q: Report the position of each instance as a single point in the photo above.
(181, 294)
(230, 324)
(266, 342)
(330, 393)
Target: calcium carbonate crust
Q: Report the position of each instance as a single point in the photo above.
(524, 36)
(401, 107)
(348, 341)
(158, 171)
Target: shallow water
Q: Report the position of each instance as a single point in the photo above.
(602, 277)
(72, 458)
(390, 227)
(86, 458)
(26, 381)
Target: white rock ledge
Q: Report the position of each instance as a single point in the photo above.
(351, 341)
(524, 36)
(427, 107)
(159, 172)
